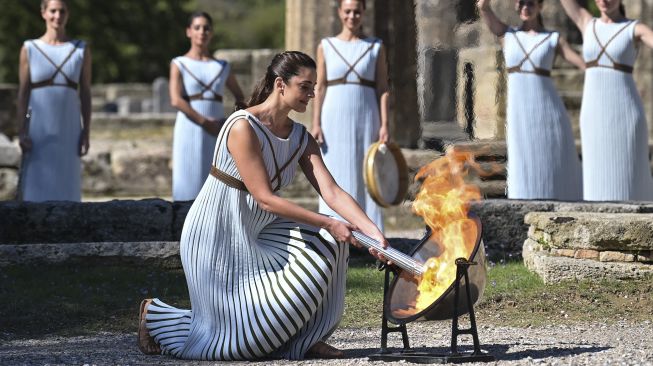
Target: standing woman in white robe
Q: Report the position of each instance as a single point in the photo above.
(55, 82)
(351, 104)
(613, 125)
(197, 81)
(542, 158)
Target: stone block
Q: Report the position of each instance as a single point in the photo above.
(179, 212)
(554, 269)
(74, 222)
(569, 253)
(97, 175)
(504, 231)
(143, 169)
(645, 256)
(612, 256)
(161, 253)
(8, 184)
(10, 154)
(595, 231)
(586, 254)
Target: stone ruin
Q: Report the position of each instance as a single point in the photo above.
(582, 245)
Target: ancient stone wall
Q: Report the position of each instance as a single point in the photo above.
(582, 245)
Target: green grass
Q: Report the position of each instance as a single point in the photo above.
(49, 300)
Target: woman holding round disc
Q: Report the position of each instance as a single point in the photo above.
(351, 104)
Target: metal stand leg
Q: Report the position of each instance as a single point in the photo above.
(461, 272)
(385, 328)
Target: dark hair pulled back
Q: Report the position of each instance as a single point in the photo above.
(199, 14)
(622, 9)
(284, 65)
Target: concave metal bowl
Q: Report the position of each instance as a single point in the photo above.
(403, 289)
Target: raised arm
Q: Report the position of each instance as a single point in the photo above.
(85, 100)
(23, 99)
(568, 53)
(579, 15)
(644, 34)
(234, 88)
(177, 101)
(496, 26)
(383, 93)
(320, 92)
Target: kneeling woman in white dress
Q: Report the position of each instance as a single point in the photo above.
(612, 120)
(542, 158)
(266, 277)
(197, 81)
(55, 82)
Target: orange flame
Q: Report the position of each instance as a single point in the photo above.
(443, 201)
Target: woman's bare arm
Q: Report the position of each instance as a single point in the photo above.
(245, 148)
(23, 98)
(177, 101)
(568, 53)
(320, 92)
(496, 26)
(644, 34)
(383, 93)
(340, 201)
(579, 15)
(85, 100)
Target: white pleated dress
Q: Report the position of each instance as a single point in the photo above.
(612, 120)
(192, 148)
(350, 118)
(260, 285)
(53, 167)
(542, 158)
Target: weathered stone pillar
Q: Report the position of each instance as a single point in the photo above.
(437, 61)
(395, 25)
(643, 10)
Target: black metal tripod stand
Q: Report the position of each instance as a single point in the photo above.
(454, 356)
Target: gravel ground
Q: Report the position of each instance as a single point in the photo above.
(594, 344)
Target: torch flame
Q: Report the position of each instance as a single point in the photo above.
(443, 201)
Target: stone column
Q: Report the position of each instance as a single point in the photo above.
(437, 63)
(643, 74)
(395, 25)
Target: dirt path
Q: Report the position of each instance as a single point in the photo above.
(593, 344)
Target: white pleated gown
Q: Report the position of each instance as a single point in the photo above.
(260, 285)
(542, 158)
(612, 120)
(53, 167)
(350, 120)
(193, 147)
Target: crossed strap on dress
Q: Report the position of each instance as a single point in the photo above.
(205, 87)
(236, 183)
(615, 65)
(343, 80)
(527, 57)
(58, 70)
